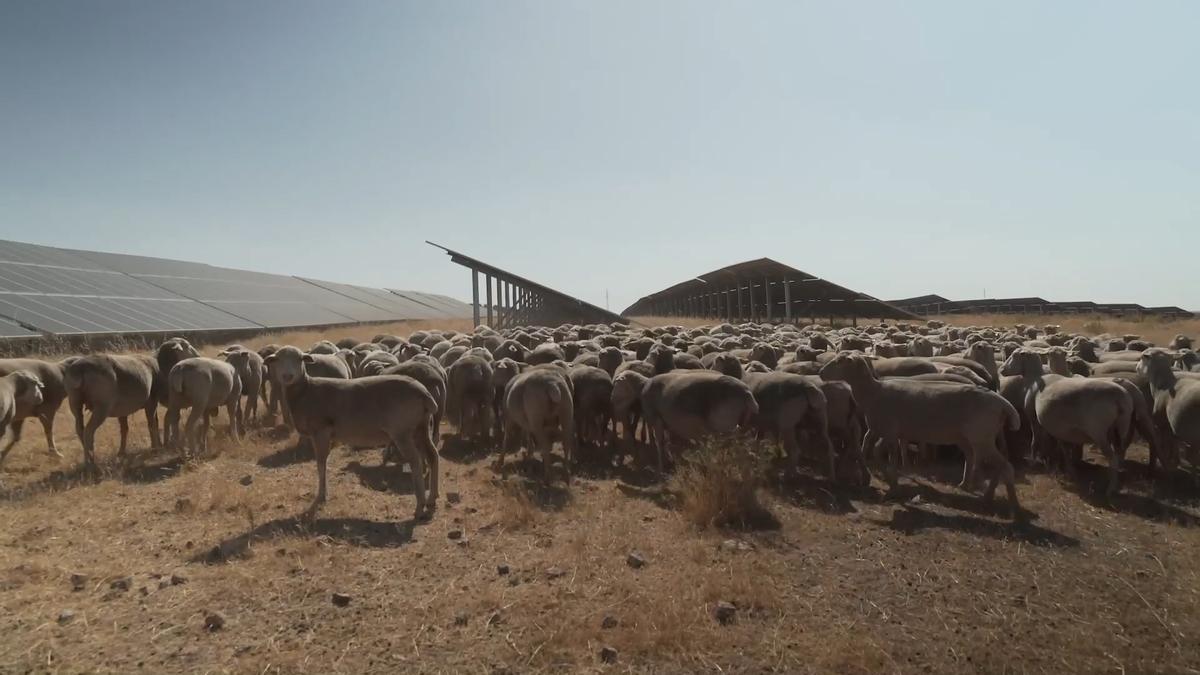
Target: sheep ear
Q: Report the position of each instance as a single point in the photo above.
(269, 359)
(308, 358)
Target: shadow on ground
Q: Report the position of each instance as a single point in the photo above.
(354, 531)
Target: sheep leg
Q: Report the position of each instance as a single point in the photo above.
(47, 420)
(123, 423)
(169, 418)
(152, 423)
(236, 426)
(88, 435)
(425, 441)
(190, 442)
(320, 442)
(1114, 469)
(414, 457)
(970, 461)
(511, 435)
(12, 439)
(1001, 469)
(659, 433)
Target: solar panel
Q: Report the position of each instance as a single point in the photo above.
(440, 305)
(10, 329)
(66, 291)
(389, 307)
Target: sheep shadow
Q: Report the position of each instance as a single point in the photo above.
(659, 496)
(911, 520)
(1091, 483)
(460, 450)
(529, 467)
(552, 497)
(299, 453)
(972, 503)
(821, 494)
(388, 478)
(145, 467)
(354, 531)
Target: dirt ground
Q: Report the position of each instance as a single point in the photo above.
(122, 574)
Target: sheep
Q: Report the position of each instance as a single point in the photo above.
(546, 353)
(785, 402)
(170, 352)
(844, 422)
(374, 363)
(451, 355)
(112, 386)
(661, 359)
(434, 381)
(610, 358)
(1074, 411)
(1180, 342)
(539, 402)
(1176, 401)
(53, 393)
(503, 372)
(250, 370)
(931, 412)
(20, 394)
(627, 405)
(381, 410)
(727, 364)
(202, 384)
(323, 347)
(692, 404)
(988, 376)
(469, 397)
(592, 395)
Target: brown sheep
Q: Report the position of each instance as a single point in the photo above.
(934, 413)
(20, 395)
(53, 393)
(381, 410)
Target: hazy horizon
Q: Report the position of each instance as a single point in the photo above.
(616, 148)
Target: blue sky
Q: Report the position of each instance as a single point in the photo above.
(1025, 148)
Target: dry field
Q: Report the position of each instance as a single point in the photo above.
(831, 580)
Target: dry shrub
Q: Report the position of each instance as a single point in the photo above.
(718, 484)
(515, 508)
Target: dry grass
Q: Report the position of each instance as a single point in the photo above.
(846, 581)
(718, 484)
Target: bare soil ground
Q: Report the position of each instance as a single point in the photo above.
(835, 580)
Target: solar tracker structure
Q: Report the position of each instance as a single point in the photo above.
(52, 291)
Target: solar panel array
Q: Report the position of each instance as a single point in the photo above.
(46, 290)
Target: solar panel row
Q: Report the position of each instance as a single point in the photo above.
(61, 291)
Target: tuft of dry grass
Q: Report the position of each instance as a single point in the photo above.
(718, 484)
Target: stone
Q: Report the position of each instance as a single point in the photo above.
(341, 599)
(635, 560)
(66, 616)
(608, 654)
(246, 480)
(555, 572)
(455, 535)
(502, 570)
(122, 584)
(609, 622)
(460, 619)
(725, 612)
(78, 581)
(453, 498)
(214, 622)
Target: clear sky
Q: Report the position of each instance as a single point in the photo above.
(897, 148)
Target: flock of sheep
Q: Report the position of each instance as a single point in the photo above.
(998, 395)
